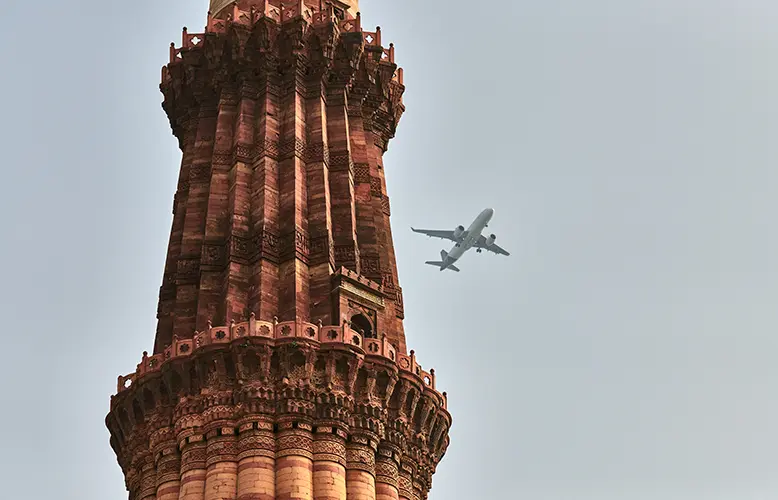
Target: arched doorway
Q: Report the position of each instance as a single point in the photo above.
(361, 324)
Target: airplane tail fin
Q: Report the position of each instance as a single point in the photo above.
(442, 262)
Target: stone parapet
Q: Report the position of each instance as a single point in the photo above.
(272, 334)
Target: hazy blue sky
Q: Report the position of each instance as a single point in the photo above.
(625, 351)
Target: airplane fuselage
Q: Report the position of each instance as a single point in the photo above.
(471, 235)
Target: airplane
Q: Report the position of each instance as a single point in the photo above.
(464, 240)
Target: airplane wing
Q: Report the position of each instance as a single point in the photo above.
(482, 243)
(446, 235)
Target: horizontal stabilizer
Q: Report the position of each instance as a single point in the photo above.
(438, 264)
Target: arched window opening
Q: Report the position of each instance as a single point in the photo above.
(361, 324)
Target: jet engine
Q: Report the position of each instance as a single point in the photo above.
(490, 241)
(458, 231)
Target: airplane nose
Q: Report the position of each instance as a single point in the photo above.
(490, 211)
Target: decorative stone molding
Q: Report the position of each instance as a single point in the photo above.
(264, 389)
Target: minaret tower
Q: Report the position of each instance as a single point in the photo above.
(279, 368)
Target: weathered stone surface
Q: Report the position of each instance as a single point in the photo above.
(281, 234)
(282, 126)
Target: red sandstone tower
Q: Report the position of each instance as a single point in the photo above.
(280, 369)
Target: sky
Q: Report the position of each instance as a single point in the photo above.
(627, 348)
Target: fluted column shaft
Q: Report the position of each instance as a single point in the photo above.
(379, 201)
(405, 483)
(387, 472)
(168, 472)
(236, 287)
(329, 465)
(193, 455)
(265, 202)
(360, 468)
(256, 461)
(294, 278)
(344, 230)
(209, 303)
(294, 462)
(168, 291)
(188, 266)
(221, 479)
(319, 215)
(367, 238)
(148, 487)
